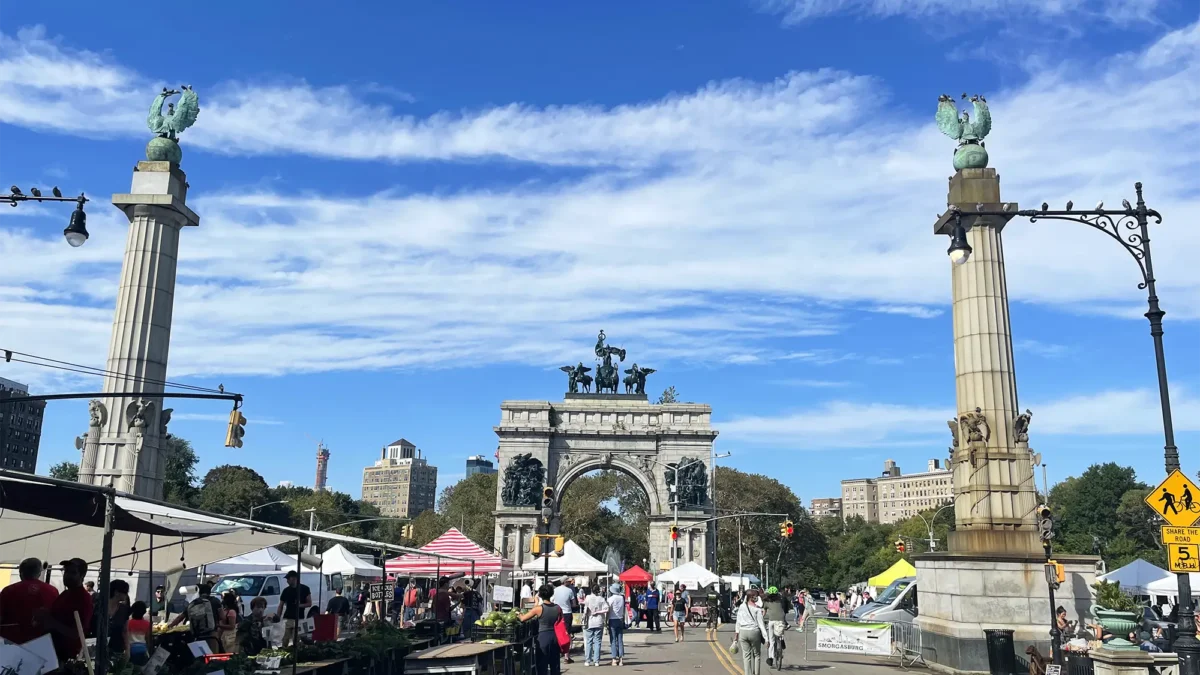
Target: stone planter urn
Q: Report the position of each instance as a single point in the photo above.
(1119, 624)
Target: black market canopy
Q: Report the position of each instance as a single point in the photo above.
(56, 520)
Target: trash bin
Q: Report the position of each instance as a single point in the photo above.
(1002, 660)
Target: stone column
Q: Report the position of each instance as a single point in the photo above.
(995, 495)
(128, 453)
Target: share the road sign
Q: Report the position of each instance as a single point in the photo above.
(1176, 499)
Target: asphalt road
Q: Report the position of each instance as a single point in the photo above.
(703, 652)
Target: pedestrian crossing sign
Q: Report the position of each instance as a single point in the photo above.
(1176, 499)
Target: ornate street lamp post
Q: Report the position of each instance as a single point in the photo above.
(1129, 227)
(76, 232)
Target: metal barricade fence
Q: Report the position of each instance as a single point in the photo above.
(908, 643)
(907, 640)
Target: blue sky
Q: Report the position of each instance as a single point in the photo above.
(413, 213)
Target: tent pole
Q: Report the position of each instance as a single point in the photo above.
(296, 608)
(150, 637)
(105, 573)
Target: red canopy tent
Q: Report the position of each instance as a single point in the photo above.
(452, 543)
(635, 576)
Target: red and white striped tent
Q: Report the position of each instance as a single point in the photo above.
(452, 543)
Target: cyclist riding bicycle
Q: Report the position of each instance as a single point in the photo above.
(713, 611)
(775, 611)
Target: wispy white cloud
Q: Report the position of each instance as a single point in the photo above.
(713, 187)
(841, 424)
(1046, 350)
(797, 11)
(816, 384)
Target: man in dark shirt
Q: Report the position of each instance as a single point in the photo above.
(442, 602)
(338, 606)
(72, 602)
(22, 600)
(295, 597)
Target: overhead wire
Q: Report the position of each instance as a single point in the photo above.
(101, 372)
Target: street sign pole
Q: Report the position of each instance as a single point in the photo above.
(1176, 495)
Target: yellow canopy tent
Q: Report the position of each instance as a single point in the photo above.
(901, 569)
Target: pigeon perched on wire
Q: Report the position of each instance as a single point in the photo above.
(1126, 204)
(1045, 206)
(35, 192)
(1099, 205)
(16, 191)
(56, 191)
(1070, 205)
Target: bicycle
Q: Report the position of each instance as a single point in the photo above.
(777, 642)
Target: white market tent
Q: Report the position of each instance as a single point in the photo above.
(339, 560)
(574, 560)
(269, 559)
(741, 582)
(691, 574)
(1169, 586)
(1136, 577)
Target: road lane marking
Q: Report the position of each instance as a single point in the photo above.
(723, 657)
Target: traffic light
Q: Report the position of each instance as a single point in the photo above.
(783, 530)
(674, 533)
(1045, 524)
(899, 546)
(233, 436)
(789, 530)
(406, 531)
(547, 497)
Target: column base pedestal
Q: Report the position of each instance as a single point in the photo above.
(962, 594)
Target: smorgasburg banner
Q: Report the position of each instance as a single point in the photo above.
(850, 637)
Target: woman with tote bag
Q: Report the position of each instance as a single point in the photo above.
(751, 632)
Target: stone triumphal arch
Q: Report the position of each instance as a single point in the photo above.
(553, 443)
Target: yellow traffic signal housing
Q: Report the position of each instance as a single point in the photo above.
(547, 496)
(783, 530)
(233, 435)
(674, 533)
(789, 529)
(542, 545)
(406, 531)
(900, 546)
(1060, 572)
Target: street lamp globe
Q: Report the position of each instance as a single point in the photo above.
(959, 250)
(76, 233)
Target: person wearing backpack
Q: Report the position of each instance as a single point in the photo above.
(201, 615)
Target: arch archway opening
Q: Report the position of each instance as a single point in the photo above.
(606, 511)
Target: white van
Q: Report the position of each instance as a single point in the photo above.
(269, 585)
(896, 604)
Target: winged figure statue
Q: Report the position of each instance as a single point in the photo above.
(577, 376)
(970, 152)
(636, 382)
(178, 117)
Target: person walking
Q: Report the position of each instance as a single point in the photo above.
(595, 616)
(564, 597)
(751, 630)
(681, 604)
(616, 624)
(547, 614)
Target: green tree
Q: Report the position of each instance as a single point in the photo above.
(859, 551)
(232, 490)
(669, 395)
(607, 509)
(427, 526)
(798, 560)
(65, 471)
(179, 477)
(1085, 507)
(330, 510)
(468, 505)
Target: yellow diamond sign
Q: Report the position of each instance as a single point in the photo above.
(1176, 499)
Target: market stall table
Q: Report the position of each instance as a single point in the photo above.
(477, 659)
